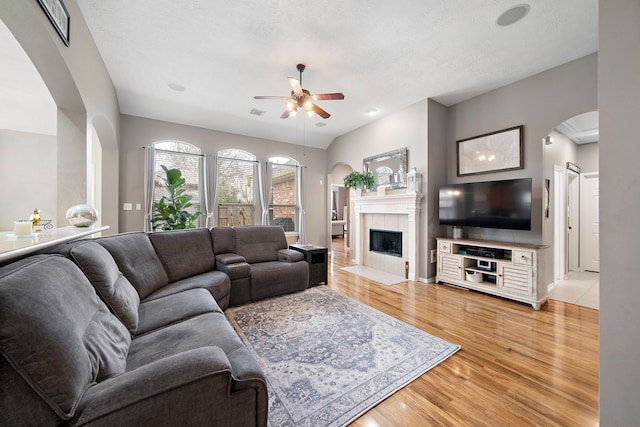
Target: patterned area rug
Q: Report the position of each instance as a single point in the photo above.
(329, 358)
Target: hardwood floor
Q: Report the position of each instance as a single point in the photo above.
(516, 367)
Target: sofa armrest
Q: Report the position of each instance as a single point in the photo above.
(289, 255)
(233, 265)
(229, 258)
(189, 388)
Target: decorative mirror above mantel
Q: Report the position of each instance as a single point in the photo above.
(389, 169)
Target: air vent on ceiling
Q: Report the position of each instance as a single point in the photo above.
(257, 112)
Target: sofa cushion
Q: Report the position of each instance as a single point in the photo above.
(224, 240)
(260, 243)
(161, 312)
(184, 253)
(56, 332)
(137, 260)
(206, 330)
(114, 289)
(216, 282)
(269, 279)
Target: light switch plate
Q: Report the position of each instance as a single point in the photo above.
(127, 206)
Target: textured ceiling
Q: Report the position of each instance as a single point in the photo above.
(381, 54)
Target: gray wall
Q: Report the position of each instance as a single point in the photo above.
(137, 132)
(406, 128)
(619, 91)
(436, 176)
(30, 187)
(82, 91)
(588, 157)
(540, 103)
(72, 162)
(562, 150)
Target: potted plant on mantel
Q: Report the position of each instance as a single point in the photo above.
(358, 181)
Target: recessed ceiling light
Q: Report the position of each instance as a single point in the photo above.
(372, 111)
(513, 15)
(321, 124)
(257, 112)
(176, 86)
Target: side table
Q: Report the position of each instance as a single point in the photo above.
(316, 257)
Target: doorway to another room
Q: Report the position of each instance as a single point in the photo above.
(339, 211)
(571, 153)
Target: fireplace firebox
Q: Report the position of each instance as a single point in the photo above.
(386, 242)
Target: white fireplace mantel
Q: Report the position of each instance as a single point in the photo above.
(398, 204)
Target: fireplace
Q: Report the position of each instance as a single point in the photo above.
(394, 212)
(387, 242)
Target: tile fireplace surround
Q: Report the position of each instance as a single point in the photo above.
(406, 205)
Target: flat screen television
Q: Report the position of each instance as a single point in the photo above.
(490, 204)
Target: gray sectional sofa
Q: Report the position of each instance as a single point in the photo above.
(130, 329)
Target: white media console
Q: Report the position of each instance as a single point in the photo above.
(507, 270)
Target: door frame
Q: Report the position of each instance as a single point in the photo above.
(573, 220)
(559, 222)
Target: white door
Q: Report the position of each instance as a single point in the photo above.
(590, 222)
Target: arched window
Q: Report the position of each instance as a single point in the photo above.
(283, 204)
(236, 187)
(187, 158)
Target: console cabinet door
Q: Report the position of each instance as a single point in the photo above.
(450, 266)
(516, 280)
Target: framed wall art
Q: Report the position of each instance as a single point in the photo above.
(498, 151)
(59, 17)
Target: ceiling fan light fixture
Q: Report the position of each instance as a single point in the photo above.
(302, 98)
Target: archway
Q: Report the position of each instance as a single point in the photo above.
(340, 202)
(570, 157)
(28, 141)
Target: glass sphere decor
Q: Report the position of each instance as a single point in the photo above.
(82, 215)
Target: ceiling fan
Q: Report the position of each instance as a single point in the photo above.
(302, 98)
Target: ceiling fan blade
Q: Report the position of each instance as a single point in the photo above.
(285, 115)
(295, 85)
(271, 97)
(319, 111)
(327, 96)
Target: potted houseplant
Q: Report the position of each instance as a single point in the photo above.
(170, 212)
(359, 180)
